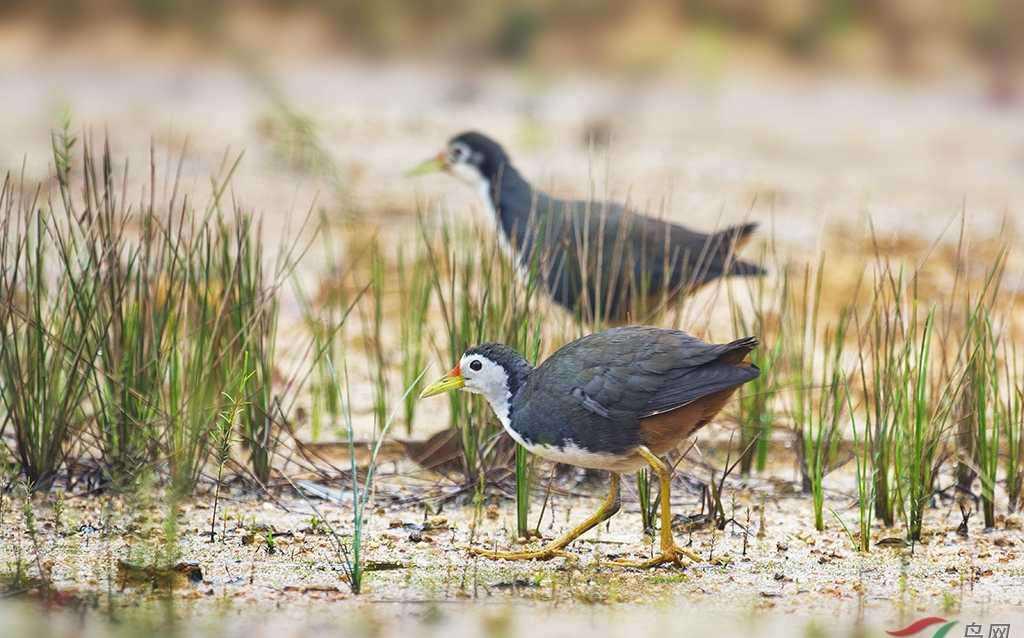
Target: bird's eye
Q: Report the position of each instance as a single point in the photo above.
(475, 365)
(458, 153)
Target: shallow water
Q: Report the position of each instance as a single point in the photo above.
(428, 619)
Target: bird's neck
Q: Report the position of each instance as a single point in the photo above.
(501, 405)
(501, 399)
(510, 199)
(518, 371)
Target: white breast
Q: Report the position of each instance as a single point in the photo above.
(572, 454)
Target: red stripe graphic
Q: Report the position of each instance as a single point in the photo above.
(917, 626)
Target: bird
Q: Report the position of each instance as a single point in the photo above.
(601, 260)
(615, 400)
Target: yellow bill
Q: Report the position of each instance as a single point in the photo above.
(432, 165)
(451, 381)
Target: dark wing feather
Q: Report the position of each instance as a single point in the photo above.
(589, 403)
(642, 371)
(701, 371)
(596, 390)
(625, 253)
(698, 383)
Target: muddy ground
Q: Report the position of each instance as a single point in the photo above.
(278, 560)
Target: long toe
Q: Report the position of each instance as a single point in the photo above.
(540, 554)
(693, 556)
(677, 555)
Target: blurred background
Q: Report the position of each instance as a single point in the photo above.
(904, 36)
(808, 112)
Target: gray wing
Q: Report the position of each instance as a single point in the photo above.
(685, 388)
(626, 253)
(604, 384)
(662, 370)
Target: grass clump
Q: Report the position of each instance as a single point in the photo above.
(124, 322)
(910, 389)
(45, 351)
(981, 385)
(881, 349)
(865, 488)
(252, 308)
(920, 428)
(983, 394)
(764, 313)
(414, 291)
(1012, 421)
(818, 386)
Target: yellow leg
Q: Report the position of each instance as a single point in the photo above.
(555, 548)
(670, 552)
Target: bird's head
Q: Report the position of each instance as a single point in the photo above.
(470, 156)
(493, 370)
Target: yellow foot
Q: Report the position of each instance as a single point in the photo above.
(546, 553)
(675, 554)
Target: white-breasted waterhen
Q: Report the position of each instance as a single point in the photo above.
(614, 400)
(595, 258)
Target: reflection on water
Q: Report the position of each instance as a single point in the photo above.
(427, 618)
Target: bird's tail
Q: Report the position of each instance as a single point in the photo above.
(736, 351)
(735, 236)
(746, 344)
(730, 240)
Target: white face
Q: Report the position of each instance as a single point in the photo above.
(459, 162)
(483, 376)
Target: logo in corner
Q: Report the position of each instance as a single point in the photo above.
(918, 626)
